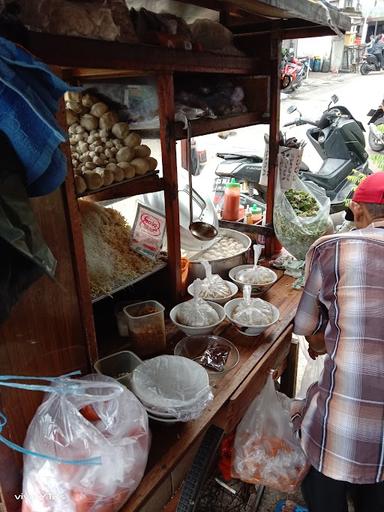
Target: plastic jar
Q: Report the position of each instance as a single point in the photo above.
(257, 214)
(231, 200)
(146, 327)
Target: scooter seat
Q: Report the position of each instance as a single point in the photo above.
(331, 174)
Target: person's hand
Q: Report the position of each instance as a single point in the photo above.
(313, 354)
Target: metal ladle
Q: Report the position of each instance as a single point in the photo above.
(201, 230)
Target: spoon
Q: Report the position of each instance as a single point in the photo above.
(201, 230)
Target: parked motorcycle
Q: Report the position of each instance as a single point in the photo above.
(369, 63)
(293, 72)
(336, 136)
(375, 136)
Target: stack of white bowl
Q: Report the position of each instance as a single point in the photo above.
(171, 388)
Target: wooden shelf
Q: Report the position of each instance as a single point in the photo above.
(88, 58)
(138, 185)
(205, 126)
(159, 266)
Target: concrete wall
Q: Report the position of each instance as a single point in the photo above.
(315, 46)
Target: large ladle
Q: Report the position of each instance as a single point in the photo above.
(201, 230)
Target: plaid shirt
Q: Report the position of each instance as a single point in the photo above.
(343, 422)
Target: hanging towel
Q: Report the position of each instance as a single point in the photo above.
(29, 94)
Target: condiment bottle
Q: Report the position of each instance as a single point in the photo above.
(231, 200)
(248, 216)
(257, 214)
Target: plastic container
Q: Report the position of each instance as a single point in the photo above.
(248, 216)
(121, 319)
(118, 366)
(231, 200)
(146, 327)
(257, 214)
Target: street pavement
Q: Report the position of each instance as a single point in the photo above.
(356, 92)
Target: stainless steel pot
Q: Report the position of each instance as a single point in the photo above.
(222, 266)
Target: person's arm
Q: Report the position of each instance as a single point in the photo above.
(311, 318)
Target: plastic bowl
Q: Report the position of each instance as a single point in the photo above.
(234, 289)
(119, 366)
(193, 331)
(193, 348)
(256, 288)
(249, 330)
(167, 383)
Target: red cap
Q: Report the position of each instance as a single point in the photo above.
(370, 190)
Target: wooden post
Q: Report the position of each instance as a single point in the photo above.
(77, 242)
(168, 150)
(274, 109)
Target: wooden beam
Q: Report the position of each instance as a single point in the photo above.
(168, 151)
(81, 54)
(274, 133)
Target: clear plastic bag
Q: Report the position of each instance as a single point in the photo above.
(312, 371)
(212, 286)
(266, 451)
(252, 311)
(255, 275)
(297, 233)
(197, 312)
(99, 418)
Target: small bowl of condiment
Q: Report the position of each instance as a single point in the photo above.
(216, 354)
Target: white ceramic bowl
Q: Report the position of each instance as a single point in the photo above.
(249, 330)
(234, 289)
(169, 383)
(193, 331)
(256, 288)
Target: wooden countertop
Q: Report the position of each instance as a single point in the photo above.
(171, 443)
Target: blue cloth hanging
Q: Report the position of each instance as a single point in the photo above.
(29, 95)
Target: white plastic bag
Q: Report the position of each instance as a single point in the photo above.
(197, 312)
(172, 385)
(266, 451)
(90, 417)
(297, 233)
(313, 369)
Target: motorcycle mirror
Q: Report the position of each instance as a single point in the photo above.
(334, 98)
(291, 109)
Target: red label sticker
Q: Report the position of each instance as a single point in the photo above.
(150, 224)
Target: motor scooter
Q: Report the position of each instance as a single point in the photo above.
(293, 72)
(336, 136)
(376, 135)
(369, 62)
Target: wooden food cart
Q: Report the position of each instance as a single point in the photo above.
(51, 331)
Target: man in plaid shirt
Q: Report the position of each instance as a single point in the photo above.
(341, 313)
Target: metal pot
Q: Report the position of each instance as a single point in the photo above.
(223, 265)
